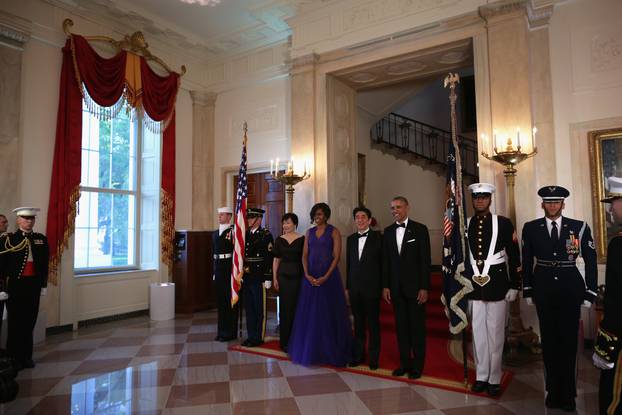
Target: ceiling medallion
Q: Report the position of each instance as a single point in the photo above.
(202, 2)
(405, 68)
(453, 57)
(362, 77)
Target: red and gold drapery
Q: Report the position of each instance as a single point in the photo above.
(87, 76)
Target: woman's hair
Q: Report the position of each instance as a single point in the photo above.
(291, 216)
(320, 206)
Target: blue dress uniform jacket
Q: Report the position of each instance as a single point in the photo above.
(558, 290)
(227, 316)
(257, 269)
(502, 276)
(610, 387)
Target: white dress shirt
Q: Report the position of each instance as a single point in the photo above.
(399, 235)
(549, 225)
(362, 241)
(222, 228)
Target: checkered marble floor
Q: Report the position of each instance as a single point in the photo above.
(141, 367)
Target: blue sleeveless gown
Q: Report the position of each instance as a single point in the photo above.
(322, 332)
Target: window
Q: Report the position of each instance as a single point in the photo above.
(117, 224)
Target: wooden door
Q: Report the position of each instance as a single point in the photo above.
(267, 194)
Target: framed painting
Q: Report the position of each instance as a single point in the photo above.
(605, 148)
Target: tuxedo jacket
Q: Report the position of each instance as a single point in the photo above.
(612, 320)
(364, 275)
(408, 271)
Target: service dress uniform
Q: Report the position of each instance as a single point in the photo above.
(257, 270)
(24, 265)
(557, 288)
(223, 253)
(492, 265)
(609, 338)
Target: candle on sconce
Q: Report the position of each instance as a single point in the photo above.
(272, 167)
(304, 173)
(484, 142)
(494, 140)
(517, 137)
(533, 137)
(293, 165)
(289, 167)
(276, 167)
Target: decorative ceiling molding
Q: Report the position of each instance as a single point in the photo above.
(14, 31)
(502, 9)
(203, 98)
(539, 17)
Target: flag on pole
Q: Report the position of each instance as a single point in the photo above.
(455, 286)
(239, 239)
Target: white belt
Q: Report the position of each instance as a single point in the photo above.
(491, 259)
(222, 256)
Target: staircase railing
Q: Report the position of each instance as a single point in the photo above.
(424, 141)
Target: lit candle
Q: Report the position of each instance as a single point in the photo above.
(276, 167)
(533, 138)
(293, 164)
(305, 171)
(484, 142)
(289, 166)
(494, 140)
(518, 137)
(272, 167)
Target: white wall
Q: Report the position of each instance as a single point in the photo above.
(388, 176)
(265, 107)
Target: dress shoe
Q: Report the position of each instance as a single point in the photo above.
(494, 390)
(414, 374)
(400, 371)
(479, 386)
(569, 406)
(354, 363)
(28, 363)
(551, 402)
(373, 365)
(228, 339)
(246, 343)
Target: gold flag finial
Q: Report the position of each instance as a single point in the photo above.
(452, 79)
(245, 129)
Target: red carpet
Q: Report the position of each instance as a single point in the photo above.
(443, 364)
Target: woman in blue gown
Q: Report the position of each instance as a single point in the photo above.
(322, 331)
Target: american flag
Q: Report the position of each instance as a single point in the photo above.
(239, 239)
(455, 286)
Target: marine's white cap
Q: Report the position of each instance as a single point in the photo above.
(26, 211)
(225, 209)
(476, 188)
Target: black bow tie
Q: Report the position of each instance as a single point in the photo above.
(401, 225)
(363, 235)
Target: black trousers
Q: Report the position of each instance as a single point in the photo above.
(410, 327)
(289, 288)
(227, 315)
(559, 326)
(366, 312)
(23, 309)
(255, 305)
(610, 389)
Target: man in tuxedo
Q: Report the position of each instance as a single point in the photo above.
(554, 284)
(223, 252)
(364, 286)
(406, 280)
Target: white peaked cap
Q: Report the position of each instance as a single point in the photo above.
(26, 211)
(225, 209)
(482, 188)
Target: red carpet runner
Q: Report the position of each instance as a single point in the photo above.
(443, 362)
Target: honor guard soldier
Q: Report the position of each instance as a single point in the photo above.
(223, 253)
(257, 276)
(554, 284)
(607, 355)
(24, 264)
(493, 265)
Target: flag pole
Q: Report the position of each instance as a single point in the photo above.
(452, 80)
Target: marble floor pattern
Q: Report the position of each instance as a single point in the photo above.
(137, 366)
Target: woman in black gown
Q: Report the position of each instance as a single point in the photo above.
(287, 273)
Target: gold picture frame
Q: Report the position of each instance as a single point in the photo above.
(605, 147)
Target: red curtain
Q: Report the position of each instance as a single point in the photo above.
(105, 82)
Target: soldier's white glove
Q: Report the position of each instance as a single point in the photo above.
(3, 296)
(601, 363)
(44, 291)
(214, 277)
(267, 284)
(529, 301)
(586, 304)
(511, 295)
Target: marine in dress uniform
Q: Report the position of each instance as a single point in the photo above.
(607, 355)
(223, 253)
(257, 276)
(493, 260)
(554, 284)
(24, 265)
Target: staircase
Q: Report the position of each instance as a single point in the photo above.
(422, 144)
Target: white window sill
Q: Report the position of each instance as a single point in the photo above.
(98, 277)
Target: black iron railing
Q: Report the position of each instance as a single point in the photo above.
(424, 141)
